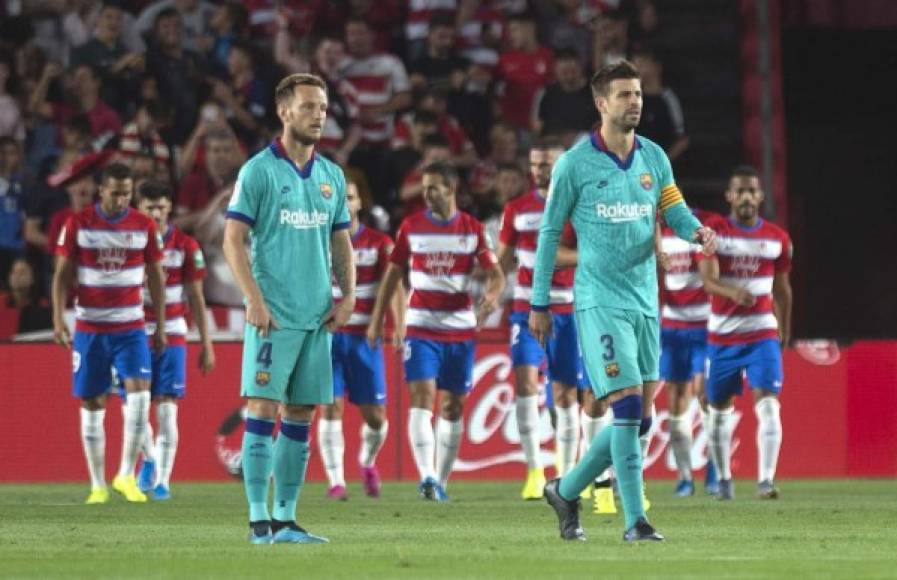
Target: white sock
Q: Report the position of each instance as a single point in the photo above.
(423, 441)
(146, 446)
(528, 427)
(93, 438)
(605, 421)
(448, 441)
(589, 428)
(566, 438)
(167, 444)
(681, 442)
(371, 443)
(769, 437)
(136, 418)
(720, 440)
(332, 445)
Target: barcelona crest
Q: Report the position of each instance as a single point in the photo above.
(612, 370)
(262, 378)
(647, 181)
(326, 190)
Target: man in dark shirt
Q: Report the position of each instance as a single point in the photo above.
(662, 119)
(565, 108)
(441, 67)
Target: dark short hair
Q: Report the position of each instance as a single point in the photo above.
(285, 88)
(601, 80)
(547, 143)
(435, 140)
(566, 54)
(170, 12)
(444, 170)
(116, 170)
(745, 170)
(154, 190)
(425, 118)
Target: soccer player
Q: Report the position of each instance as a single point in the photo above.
(184, 269)
(439, 248)
(358, 371)
(517, 239)
(109, 247)
(683, 342)
(750, 322)
(291, 204)
(611, 187)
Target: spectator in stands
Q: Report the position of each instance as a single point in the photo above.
(222, 161)
(565, 24)
(440, 67)
(220, 286)
(11, 121)
(662, 118)
(178, 71)
(408, 145)
(81, 189)
(381, 87)
(76, 143)
(243, 96)
(80, 19)
(194, 15)
(142, 134)
(481, 25)
(510, 182)
(21, 308)
(611, 39)
(523, 70)
(565, 108)
(435, 148)
(417, 23)
(503, 148)
(106, 53)
(434, 101)
(11, 202)
(228, 25)
(472, 105)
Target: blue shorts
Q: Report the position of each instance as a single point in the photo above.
(683, 353)
(170, 372)
(761, 361)
(95, 354)
(450, 363)
(359, 369)
(562, 349)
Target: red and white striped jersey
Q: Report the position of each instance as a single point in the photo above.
(110, 255)
(375, 80)
(371, 249)
(417, 20)
(520, 230)
(685, 304)
(440, 258)
(748, 258)
(182, 261)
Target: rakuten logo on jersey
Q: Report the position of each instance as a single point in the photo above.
(303, 220)
(624, 212)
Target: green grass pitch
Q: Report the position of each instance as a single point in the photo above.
(818, 529)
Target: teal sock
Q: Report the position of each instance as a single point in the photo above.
(257, 456)
(627, 454)
(290, 461)
(596, 460)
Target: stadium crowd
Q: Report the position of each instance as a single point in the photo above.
(182, 91)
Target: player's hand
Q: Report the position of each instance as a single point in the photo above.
(707, 238)
(160, 341)
(742, 297)
(258, 315)
(339, 315)
(206, 359)
(398, 337)
(540, 325)
(664, 260)
(61, 335)
(374, 333)
(487, 306)
(784, 339)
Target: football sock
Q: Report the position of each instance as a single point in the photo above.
(566, 437)
(93, 438)
(596, 460)
(133, 431)
(589, 427)
(681, 442)
(604, 421)
(332, 446)
(290, 462)
(258, 458)
(448, 441)
(420, 433)
(167, 443)
(720, 440)
(769, 437)
(627, 456)
(371, 442)
(528, 427)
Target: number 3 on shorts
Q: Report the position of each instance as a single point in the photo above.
(608, 342)
(264, 357)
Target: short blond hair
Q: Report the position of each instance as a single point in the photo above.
(284, 91)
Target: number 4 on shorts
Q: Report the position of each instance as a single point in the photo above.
(264, 357)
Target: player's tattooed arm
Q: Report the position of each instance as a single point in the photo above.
(344, 271)
(62, 284)
(709, 268)
(388, 287)
(782, 298)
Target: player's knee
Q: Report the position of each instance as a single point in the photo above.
(564, 395)
(299, 413)
(452, 408)
(262, 408)
(94, 403)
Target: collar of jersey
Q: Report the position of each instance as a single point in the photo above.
(538, 195)
(278, 150)
(358, 233)
(735, 223)
(112, 219)
(624, 164)
(440, 222)
(169, 232)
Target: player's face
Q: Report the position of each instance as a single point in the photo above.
(622, 107)
(353, 200)
(303, 117)
(540, 163)
(745, 197)
(158, 209)
(115, 195)
(437, 193)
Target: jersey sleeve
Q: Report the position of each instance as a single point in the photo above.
(561, 198)
(194, 261)
(152, 253)
(244, 202)
(485, 256)
(341, 219)
(507, 235)
(402, 250)
(66, 244)
(783, 262)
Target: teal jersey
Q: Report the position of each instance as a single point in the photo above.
(292, 213)
(613, 207)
